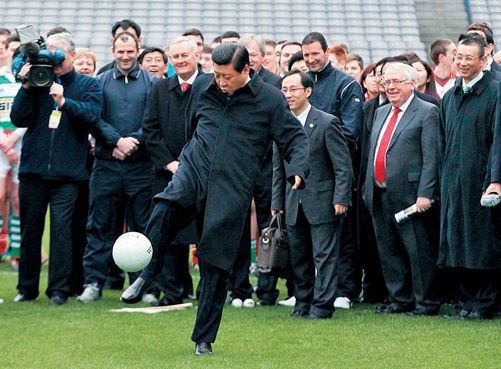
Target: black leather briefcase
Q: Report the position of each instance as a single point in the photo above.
(273, 250)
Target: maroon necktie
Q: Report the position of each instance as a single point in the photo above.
(380, 165)
(185, 86)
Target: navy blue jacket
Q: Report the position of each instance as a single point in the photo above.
(58, 154)
(337, 93)
(122, 116)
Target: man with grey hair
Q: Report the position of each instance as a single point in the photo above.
(164, 130)
(256, 46)
(402, 172)
(53, 163)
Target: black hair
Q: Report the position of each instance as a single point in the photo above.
(56, 30)
(193, 32)
(306, 80)
(229, 53)
(124, 36)
(313, 37)
(229, 34)
(151, 50)
(294, 58)
(485, 28)
(125, 24)
(473, 39)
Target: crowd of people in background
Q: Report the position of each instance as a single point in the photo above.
(98, 145)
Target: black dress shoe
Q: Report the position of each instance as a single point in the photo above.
(390, 309)
(462, 314)
(203, 348)
(312, 316)
(58, 300)
(476, 315)
(134, 293)
(299, 314)
(165, 301)
(422, 312)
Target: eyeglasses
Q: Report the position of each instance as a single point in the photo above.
(292, 90)
(459, 58)
(395, 82)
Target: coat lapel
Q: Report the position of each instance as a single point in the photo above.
(378, 125)
(311, 123)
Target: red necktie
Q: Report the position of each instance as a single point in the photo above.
(185, 86)
(380, 165)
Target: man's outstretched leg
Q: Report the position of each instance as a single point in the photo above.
(165, 221)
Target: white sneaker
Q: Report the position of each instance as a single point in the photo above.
(90, 294)
(290, 302)
(150, 299)
(236, 303)
(342, 303)
(249, 303)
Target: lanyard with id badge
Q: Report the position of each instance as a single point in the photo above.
(55, 119)
(55, 116)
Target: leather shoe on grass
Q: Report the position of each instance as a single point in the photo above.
(203, 348)
(457, 316)
(312, 316)
(422, 312)
(58, 300)
(134, 293)
(299, 314)
(390, 309)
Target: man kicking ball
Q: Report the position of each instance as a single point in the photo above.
(233, 116)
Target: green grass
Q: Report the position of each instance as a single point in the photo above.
(37, 335)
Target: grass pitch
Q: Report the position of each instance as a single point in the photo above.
(74, 336)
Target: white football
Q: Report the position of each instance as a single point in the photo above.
(132, 251)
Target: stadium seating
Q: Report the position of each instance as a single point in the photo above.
(372, 28)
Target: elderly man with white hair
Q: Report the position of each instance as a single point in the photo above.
(402, 172)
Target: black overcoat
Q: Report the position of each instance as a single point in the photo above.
(470, 234)
(220, 164)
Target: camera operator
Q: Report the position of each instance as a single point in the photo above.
(53, 161)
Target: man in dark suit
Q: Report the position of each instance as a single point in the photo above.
(234, 117)
(402, 171)
(164, 130)
(314, 214)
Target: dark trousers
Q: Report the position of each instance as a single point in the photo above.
(175, 279)
(35, 195)
(239, 283)
(373, 286)
(314, 247)
(79, 236)
(408, 254)
(477, 289)
(165, 222)
(350, 275)
(213, 290)
(112, 182)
